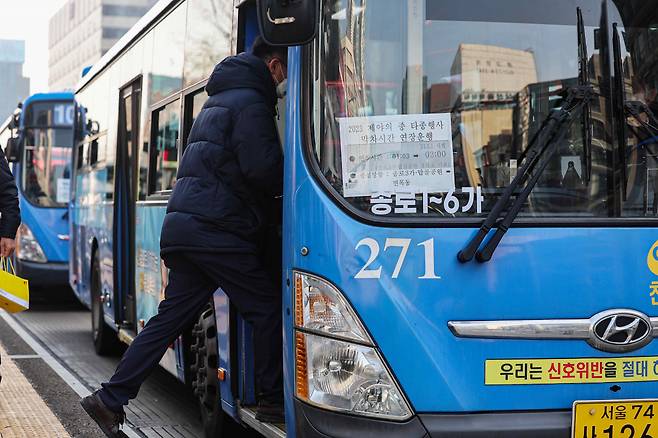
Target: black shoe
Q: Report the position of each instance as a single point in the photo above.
(108, 420)
(270, 412)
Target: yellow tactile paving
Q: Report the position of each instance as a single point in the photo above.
(22, 412)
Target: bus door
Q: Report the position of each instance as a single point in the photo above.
(125, 188)
(242, 331)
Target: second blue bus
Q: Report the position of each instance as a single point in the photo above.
(38, 139)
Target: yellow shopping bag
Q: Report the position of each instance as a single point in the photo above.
(14, 291)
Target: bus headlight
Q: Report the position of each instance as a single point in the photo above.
(336, 364)
(27, 246)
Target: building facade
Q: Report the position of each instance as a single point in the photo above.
(80, 33)
(15, 87)
(486, 81)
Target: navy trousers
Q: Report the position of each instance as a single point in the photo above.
(252, 287)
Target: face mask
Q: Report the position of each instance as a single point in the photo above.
(282, 89)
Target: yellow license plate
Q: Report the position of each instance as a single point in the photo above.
(615, 419)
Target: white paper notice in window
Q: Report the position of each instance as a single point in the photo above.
(63, 190)
(396, 154)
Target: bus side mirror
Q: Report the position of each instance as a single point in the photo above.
(93, 127)
(288, 22)
(12, 151)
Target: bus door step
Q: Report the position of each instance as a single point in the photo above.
(248, 416)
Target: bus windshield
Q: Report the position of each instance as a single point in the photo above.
(48, 139)
(426, 107)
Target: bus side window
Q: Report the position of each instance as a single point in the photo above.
(80, 156)
(193, 103)
(84, 151)
(93, 152)
(165, 142)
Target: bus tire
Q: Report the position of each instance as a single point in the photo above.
(205, 359)
(105, 339)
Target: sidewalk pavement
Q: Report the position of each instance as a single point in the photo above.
(22, 411)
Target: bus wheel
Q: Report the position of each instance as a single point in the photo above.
(205, 358)
(105, 339)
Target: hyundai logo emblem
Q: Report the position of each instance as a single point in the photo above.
(620, 330)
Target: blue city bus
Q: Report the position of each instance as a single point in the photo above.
(469, 212)
(38, 140)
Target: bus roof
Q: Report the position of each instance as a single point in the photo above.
(38, 97)
(135, 32)
(41, 97)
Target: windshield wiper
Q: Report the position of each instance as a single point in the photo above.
(546, 142)
(548, 129)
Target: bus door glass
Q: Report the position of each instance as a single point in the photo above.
(124, 205)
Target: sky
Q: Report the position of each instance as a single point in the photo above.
(28, 20)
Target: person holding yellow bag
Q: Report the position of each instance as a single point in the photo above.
(14, 291)
(10, 213)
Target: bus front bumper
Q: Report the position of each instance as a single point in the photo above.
(313, 422)
(43, 274)
(545, 424)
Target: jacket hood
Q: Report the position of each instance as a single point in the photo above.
(243, 71)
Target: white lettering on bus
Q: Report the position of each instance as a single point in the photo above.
(429, 258)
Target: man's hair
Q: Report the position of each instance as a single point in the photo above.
(266, 52)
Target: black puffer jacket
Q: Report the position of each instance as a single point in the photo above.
(232, 168)
(10, 214)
